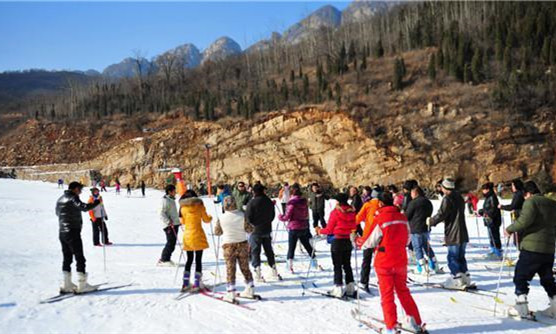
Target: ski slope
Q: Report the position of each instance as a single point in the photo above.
(31, 260)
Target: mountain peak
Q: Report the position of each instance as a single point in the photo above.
(325, 17)
(220, 49)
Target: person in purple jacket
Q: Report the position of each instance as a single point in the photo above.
(297, 216)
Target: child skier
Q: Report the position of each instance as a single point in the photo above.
(98, 217)
(233, 228)
(342, 225)
(193, 212)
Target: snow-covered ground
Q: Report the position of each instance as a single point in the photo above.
(30, 266)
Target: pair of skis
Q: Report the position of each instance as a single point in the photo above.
(207, 292)
(372, 323)
(64, 296)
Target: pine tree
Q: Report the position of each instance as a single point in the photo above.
(228, 107)
(508, 60)
(300, 72)
(432, 67)
(363, 63)
(341, 66)
(467, 75)
(352, 55)
(320, 75)
(305, 87)
(545, 51)
(379, 49)
(292, 76)
(284, 90)
(403, 68)
(397, 81)
(439, 59)
(338, 91)
(476, 66)
(499, 44)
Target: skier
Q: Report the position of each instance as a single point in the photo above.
(297, 216)
(390, 236)
(355, 200)
(398, 197)
(221, 193)
(98, 219)
(102, 185)
(317, 201)
(417, 212)
(493, 220)
(536, 225)
(342, 225)
(171, 223)
(128, 190)
(452, 213)
(406, 191)
(517, 199)
(60, 184)
(68, 210)
(366, 196)
(260, 214)
(284, 195)
(192, 212)
(241, 195)
(143, 188)
(472, 201)
(118, 186)
(367, 215)
(233, 227)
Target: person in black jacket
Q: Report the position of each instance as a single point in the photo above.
(68, 209)
(406, 189)
(417, 212)
(356, 201)
(317, 200)
(260, 213)
(493, 220)
(452, 213)
(518, 198)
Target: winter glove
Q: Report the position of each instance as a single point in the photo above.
(317, 230)
(428, 221)
(105, 217)
(353, 236)
(481, 212)
(96, 202)
(359, 241)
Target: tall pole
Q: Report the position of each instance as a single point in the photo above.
(209, 184)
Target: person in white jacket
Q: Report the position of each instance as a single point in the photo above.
(170, 224)
(233, 229)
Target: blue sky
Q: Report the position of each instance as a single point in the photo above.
(93, 35)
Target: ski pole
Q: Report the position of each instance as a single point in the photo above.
(181, 251)
(478, 230)
(496, 299)
(216, 277)
(309, 268)
(357, 276)
(104, 242)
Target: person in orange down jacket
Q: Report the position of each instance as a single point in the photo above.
(342, 225)
(367, 214)
(390, 237)
(193, 213)
(98, 219)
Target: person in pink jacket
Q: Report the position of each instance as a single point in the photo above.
(297, 217)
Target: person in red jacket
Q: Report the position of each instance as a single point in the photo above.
(390, 237)
(342, 225)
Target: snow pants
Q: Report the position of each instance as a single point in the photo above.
(72, 246)
(318, 217)
(341, 258)
(366, 265)
(99, 226)
(456, 259)
(261, 241)
(171, 233)
(390, 280)
(421, 245)
(494, 236)
(303, 236)
(237, 253)
(529, 264)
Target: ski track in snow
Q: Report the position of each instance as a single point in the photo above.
(31, 259)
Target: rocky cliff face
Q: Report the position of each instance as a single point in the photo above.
(329, 147)
(327, 16)
(220, 49)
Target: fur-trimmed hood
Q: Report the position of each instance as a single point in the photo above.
(191, 201)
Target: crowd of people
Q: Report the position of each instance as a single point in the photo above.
(392, 226)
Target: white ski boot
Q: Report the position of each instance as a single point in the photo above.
(338, 291)
(551, 310)
(161, 263)
(258, 275)
(82, 285)
(421, 267)
(230, 295)
(456, 283)
(249, 291)
(467, 279)
(409, 323)
(275, 275)
(521, 308)
(351, 290)
(67, 286)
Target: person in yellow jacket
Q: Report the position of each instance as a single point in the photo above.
(367, 214)
(193, 213)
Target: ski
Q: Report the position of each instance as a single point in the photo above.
(327, 294)
(69, 295)
(221, 298)
(189, 292)
(255, 297)
(399, 327)
(474, 289)
(369, 324)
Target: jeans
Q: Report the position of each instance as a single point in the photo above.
(456, 259)
(494, 236)
(303, 236)
(318, 217)
(366, 265)
(256, 241)
(99, 226)
(341, 258)
(529, 264)
(421, 245)
(198, 261)
(72, 246)
(171, 238)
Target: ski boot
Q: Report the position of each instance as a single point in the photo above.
(275, 275)
(186, 285)
(467, 279)
(337, 291)
(67, 286)
(290, 266)
(198, 282)
(421, 267)
(230, 295)
(258, 275)
(351, 290)
(410, 324)
(432, 265)
(249, 291)
(314, 264)
(364, 287)
(165, 263)
(551, 310)
(82, 285)
(521, 308)
(391, 331)
(455, 283)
